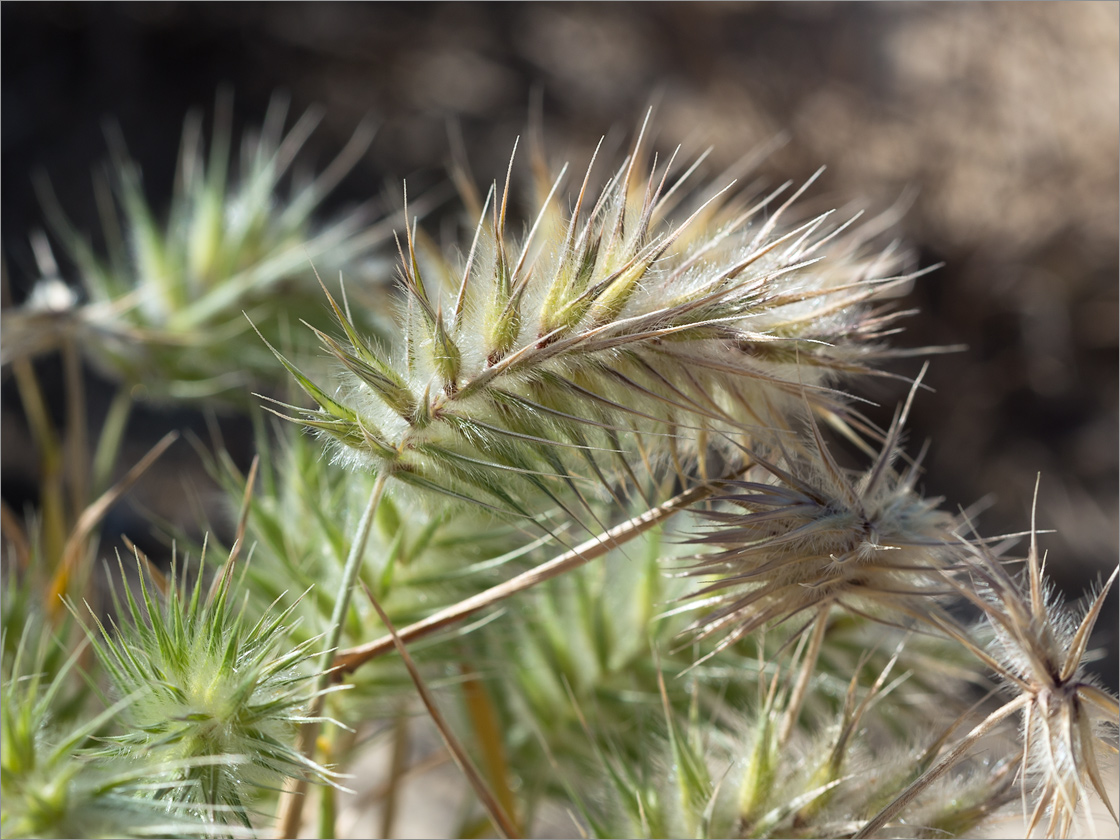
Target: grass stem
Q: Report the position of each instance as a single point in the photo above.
(350, 659)
(292, 798)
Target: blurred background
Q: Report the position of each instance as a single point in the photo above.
(999, 122)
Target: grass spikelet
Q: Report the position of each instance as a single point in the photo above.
(740, 778)
(810, 535)
(1068, 721)
(209, 690)
(57, 779)
(1037, 649)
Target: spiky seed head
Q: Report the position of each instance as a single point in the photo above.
(57, 777)
(1039, 649)
(738, 778)
(809, 534)
(210, 690)
(165, 306)
(607, 331)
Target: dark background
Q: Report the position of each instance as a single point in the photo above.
(1002, 117)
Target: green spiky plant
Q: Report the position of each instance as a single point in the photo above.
(580, 481)
(58, 780)
(165, 309)
(206, 683)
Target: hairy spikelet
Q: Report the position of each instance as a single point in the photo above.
(634, 328)
(209, 691)
(811, 535)
(1038, 649)
(57, 779)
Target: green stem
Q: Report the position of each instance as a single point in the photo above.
(77, 433)
(328, 812)
(291, 801)
(109, 442)
(349, 576)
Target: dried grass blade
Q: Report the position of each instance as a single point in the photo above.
(92, 515)
(350, 659)
(16, 535)
(500, 818)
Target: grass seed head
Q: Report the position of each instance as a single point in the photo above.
(641, 321)
(209, 691)
(57, 776)
(1039, 649)
(165, 306)
(738, 777)
(809, 534)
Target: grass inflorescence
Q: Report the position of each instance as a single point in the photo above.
(209, 688)
(603, 338)
(164, 307)
(593, 458)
